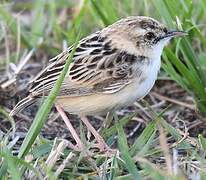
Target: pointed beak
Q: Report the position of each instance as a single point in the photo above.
(172, 33)
(175, 33)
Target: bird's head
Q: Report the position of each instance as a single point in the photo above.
(141, 35)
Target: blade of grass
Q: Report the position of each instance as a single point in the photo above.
(124, 177)
(169, 68)
(142, 140)
(192, 73)
(175, 134)
(13, 163)
(4, 168)
(188, 51)
(11, 22)
(111, 10)
(193, 80)
(99, 12)
(43, 112)
(163, 11)
(41, 150)
(124, 149)
(77, 22)
(146, 149)
(54, 25)
(203, 2)
(106, 133)
(202, 141)
(194, 85)
(12, 166)
(38, 21)
(114, 168)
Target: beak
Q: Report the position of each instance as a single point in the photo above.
(175, 33)
(172, 33)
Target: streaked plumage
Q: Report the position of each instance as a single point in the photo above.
(111, 68)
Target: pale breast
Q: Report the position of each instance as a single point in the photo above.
(102, 103)
(141, 85)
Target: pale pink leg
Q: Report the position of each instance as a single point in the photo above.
(101, 143)
(80, 145)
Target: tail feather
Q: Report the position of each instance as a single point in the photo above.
(22, 104)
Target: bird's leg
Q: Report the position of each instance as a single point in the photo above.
(79, 144)
(101, 143)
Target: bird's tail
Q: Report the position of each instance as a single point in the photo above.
(22, 104)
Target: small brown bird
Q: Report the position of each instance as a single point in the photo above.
(111, 69)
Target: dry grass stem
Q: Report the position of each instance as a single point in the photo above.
(56, 153)
(190, 106)
(165, 149)
(64, 163)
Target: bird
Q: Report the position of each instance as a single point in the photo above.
(111, 69)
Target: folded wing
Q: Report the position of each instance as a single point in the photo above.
(97, 67)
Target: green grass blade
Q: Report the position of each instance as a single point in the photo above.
(43, 112)
(175, 134)
(11, 22)
(189, 52)
(203, 2)
(12, 166)
(167, 66)
(99, 12)
(77, 22)
(13, 163)
(111, 10)
(146, 149)
(202, 141)
(114, 168)
(41, 150)
(124, 149)
(163, 11)
(142, 140)
(106, 133)
(38, 21)
(191, 78)
(3, 169)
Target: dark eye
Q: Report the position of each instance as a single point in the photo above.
(150, 35)
(165, 30)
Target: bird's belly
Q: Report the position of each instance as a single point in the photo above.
(102, 103)
(140, 86)
(136, 91)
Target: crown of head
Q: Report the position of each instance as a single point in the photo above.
(141, 33)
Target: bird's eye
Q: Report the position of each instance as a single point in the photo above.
(165, 30)
(150, 35)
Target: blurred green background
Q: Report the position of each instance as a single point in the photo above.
(48, 26)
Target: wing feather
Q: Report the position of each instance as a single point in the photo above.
(96, 68)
